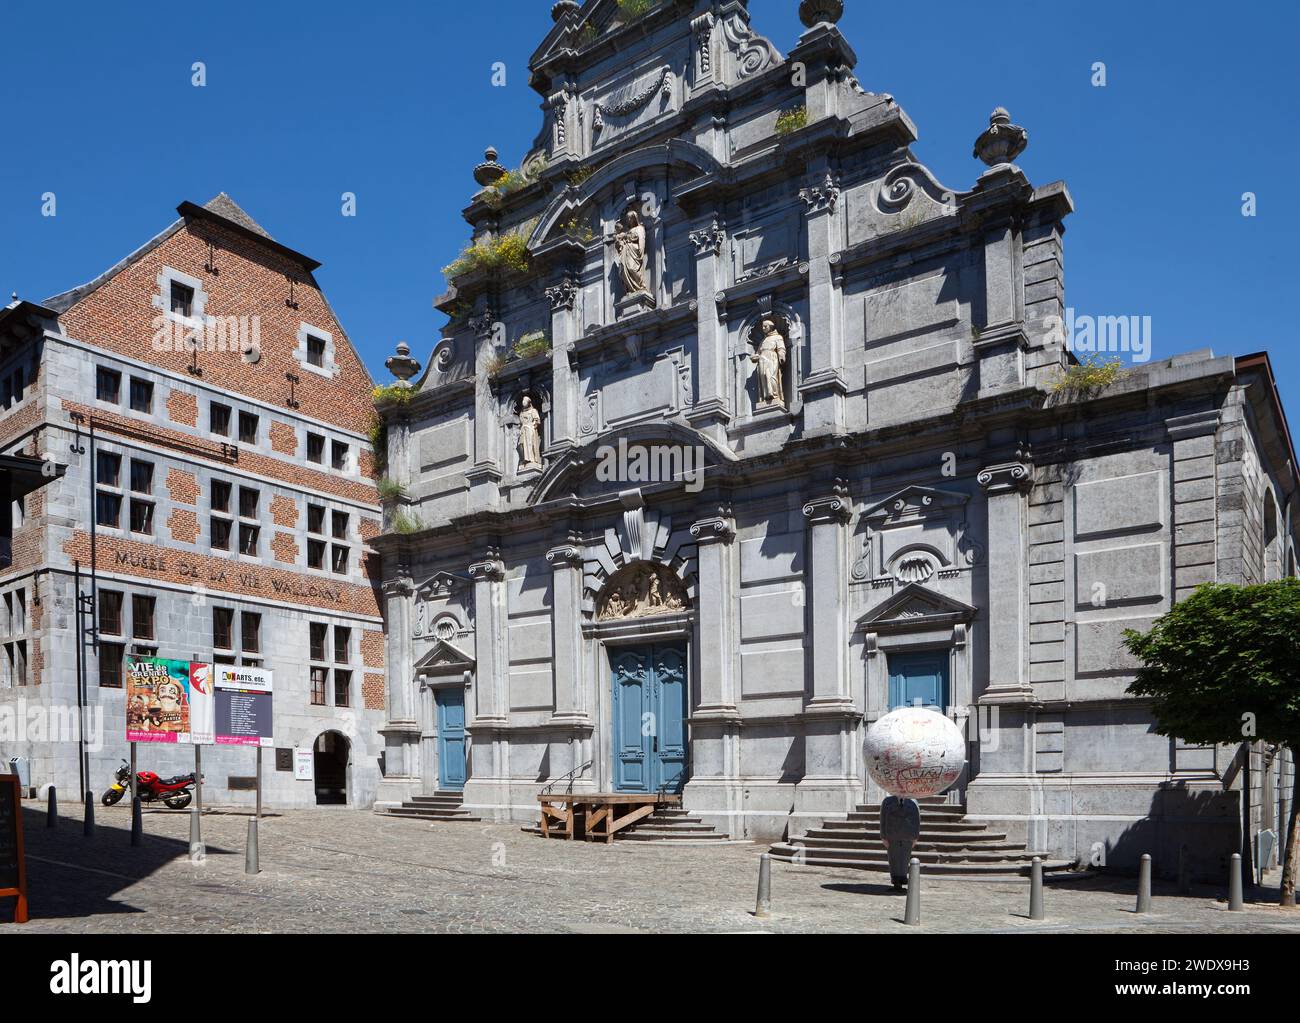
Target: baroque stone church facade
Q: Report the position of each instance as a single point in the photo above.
(745, 429)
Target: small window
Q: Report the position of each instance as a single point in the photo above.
(248, 503)
(315, 518)
(220, 496)
(248, 538)
(108, 385)
(250, 631)
(316, 448)
(110, 612)
(318, 631)
(315, 351)
(342, 644)
(141, 395)
(111, 656)
(339, 560)
(142, 617)
(223, 628)
(340, 525)
(142, 517)
(247, 428)
(108, 469)
(108, 509)
(316, 554)
(220, 534)
(342, 688)
(182, 299)
(319, 681)
(339, 456)
(219, 419)
(141, 477)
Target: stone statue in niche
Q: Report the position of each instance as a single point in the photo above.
(642, 591)
(633, 262)
(530, 435)
(770, 360)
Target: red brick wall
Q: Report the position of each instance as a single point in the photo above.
(183, 486)
(184, 526)
(183, 408)
(372, 649)
(285, 548)
(284, 438)
(372, 690)
(284, 511)
(253, 281)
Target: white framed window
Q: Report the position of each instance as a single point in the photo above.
(315, 351)
(180, 299)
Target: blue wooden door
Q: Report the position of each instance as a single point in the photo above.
(919, 679)
(649, 715)
(451, 739)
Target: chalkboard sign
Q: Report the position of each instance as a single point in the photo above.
(13, 871)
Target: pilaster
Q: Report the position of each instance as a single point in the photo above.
(1006, 487)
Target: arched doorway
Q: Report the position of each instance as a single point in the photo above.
(332, 756)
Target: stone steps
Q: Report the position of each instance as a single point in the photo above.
(441, 806)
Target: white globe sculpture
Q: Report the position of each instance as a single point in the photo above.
(914, 752)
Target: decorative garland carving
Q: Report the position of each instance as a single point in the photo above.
(660, 81)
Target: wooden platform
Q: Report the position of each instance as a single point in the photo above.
(603, 814)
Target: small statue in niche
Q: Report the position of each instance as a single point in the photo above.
(530, 435)
(633, 260)
(770, 360)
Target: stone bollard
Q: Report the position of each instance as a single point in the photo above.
(1235, 900)
(1144, 884)
(52, 809)
(912, 917)
(764, 907)
(198, 854)
(1036, 890)
(88, 822)
(1184, 871)
(251, 865)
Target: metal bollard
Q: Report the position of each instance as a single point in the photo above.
(1036, 890)
(1184, 871)
(251, 865)
(764, 907)
(1144, 884)
(1235, 900)
(198, 854)
(52, 809)
(912, 916)
(88, 822)
(137, 823)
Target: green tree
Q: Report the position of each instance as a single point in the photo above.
(1223, 667)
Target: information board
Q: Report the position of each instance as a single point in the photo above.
(158, 699)
(243, 706)
(13, 869)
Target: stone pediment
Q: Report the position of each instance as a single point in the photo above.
(916, 607)
(444, 658)
(443, 584)
(914, 503)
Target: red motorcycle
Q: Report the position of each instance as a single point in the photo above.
(173, 793)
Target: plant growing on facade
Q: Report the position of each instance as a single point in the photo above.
(393, 394)
(494, 364)
(390, 489)
(1090, 377)
(589, 34)
(633, 9)
(508, 251)
(377, 433)
(578, 178)
(532, 344)
(1222, 668)
(579, 230)
(404, 524)
(790, 121)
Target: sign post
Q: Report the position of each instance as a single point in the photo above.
(244, 712)
(13, 866)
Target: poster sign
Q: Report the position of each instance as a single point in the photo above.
(158, 699)
(243, 706)
(13, 869)
(203, 707)
(304, 762)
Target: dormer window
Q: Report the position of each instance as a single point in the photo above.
(182, 299)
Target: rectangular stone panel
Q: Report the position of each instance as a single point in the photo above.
(1099, 646)
(768, 672)
(771, 615)
(1120, 575)
(1125, 504)
(771, 558)
(444, 445)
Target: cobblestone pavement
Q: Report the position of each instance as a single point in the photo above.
(355, 872)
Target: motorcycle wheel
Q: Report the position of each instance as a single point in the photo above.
(113, 796)
(179, 801)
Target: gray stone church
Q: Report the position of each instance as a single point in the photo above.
(745, 429)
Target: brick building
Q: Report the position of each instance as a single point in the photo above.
(217, 506)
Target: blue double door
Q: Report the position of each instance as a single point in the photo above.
(919, 680)
(650, 707)
(451, 739)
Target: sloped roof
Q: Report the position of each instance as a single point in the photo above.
(224, 206)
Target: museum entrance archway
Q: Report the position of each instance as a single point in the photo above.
(332, 756)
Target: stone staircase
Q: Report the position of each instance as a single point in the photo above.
(441, 806)
(666, 824)
(948, 845)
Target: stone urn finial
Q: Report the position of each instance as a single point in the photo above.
(563, 7)
(402, 365)
(489, 172)
(1003, 141)
(818, 12)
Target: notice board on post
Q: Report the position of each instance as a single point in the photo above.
(13, 868)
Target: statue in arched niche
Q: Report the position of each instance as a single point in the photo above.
(642, 590)
(770, 359)
(530, 435)
(633, 258)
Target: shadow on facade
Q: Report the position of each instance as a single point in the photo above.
(1206, 822)
(70, 876)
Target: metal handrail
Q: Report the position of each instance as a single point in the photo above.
(571, 777)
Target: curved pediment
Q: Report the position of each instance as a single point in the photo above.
(636, 456)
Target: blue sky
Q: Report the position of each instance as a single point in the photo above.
(393, 101)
